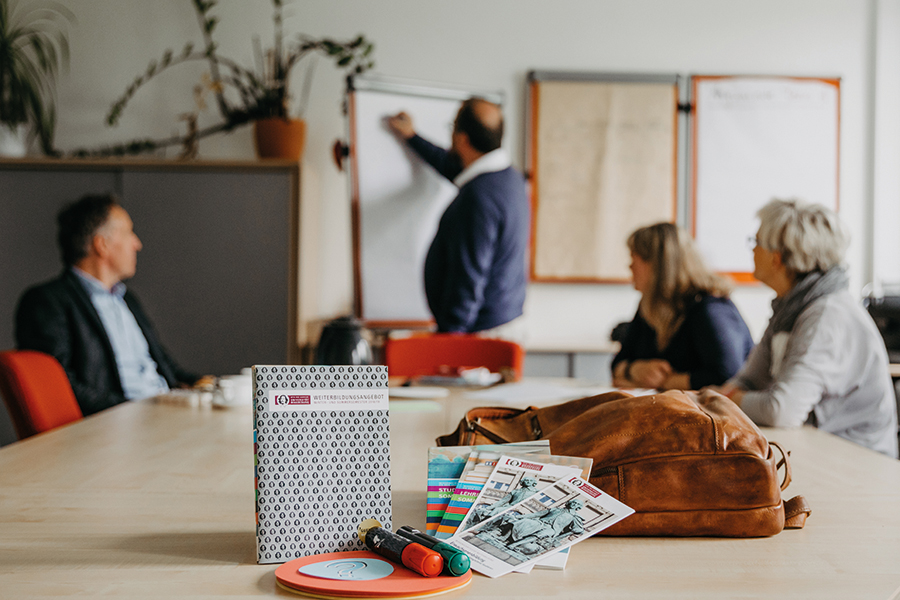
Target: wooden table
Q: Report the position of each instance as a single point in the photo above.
(156, 501)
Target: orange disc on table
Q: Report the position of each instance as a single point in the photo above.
(401, 583)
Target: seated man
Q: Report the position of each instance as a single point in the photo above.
(88, 321)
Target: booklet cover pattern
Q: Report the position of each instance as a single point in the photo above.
(322, 446)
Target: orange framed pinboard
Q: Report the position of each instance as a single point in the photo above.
(755, 138)
(602, 160)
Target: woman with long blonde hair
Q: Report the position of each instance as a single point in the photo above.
(687, 333)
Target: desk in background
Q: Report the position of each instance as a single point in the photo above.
(584, 361)
(156, 500)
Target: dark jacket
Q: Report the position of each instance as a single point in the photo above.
(475, 268)
(58, 318)
(711, 344)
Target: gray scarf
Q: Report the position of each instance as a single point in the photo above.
(811, 287)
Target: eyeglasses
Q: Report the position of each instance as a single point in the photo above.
(752, 242)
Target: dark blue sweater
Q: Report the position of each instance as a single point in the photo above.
(475, 268)
(711, 344)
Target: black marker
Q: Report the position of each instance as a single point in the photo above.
(418, 558)
(456, 562)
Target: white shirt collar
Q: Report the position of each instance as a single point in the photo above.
(94, 285)
(495, 160)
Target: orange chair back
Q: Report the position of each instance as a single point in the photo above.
(426, 355)
(37, 392)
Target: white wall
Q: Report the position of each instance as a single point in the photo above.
(886, 155)
(492, 44)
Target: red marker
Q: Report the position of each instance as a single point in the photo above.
(412, 555)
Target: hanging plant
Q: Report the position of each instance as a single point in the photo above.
(243, 94)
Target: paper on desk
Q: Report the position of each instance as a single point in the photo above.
(541, 391)
(532, 391)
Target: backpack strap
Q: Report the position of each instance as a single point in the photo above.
(784, 461)
(796, 510)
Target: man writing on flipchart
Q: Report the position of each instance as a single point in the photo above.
(475, 268)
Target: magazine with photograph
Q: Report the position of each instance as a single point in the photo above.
(496, 495)
(512, 481)
(557, 517)
(475, 474)
(445, 466)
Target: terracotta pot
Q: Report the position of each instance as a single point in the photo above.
(279, 138)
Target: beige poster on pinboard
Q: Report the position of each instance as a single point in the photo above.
(604, 164)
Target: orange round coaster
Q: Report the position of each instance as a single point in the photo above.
(401, 583)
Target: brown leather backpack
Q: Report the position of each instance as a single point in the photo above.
(687, 468)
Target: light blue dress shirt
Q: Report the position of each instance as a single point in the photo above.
(137, 369)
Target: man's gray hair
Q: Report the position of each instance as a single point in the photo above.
(809, 237)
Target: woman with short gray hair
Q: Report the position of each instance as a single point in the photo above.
(821, 359)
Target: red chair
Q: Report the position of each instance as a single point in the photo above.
(442, 352)
(37, 392)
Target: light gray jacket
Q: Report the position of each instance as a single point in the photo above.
(831, 371)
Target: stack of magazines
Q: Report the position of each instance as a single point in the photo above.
(514, 507)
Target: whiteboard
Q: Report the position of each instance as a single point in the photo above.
(398, 199)
(758, 138)
(603, 163)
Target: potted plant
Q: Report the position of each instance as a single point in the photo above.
(33, 47)
(260, 95)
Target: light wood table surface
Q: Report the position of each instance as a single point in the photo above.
(156, 501)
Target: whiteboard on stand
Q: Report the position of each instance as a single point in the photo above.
(398, 199)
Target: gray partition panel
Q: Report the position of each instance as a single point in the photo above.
(213, 273)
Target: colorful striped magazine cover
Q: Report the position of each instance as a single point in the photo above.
(445, 467)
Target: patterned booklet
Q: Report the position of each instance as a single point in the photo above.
(322, 446)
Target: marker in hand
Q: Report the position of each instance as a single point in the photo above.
(412, 555)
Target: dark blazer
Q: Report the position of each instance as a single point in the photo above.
(711, 344)
(475, 275)
(58, 318)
